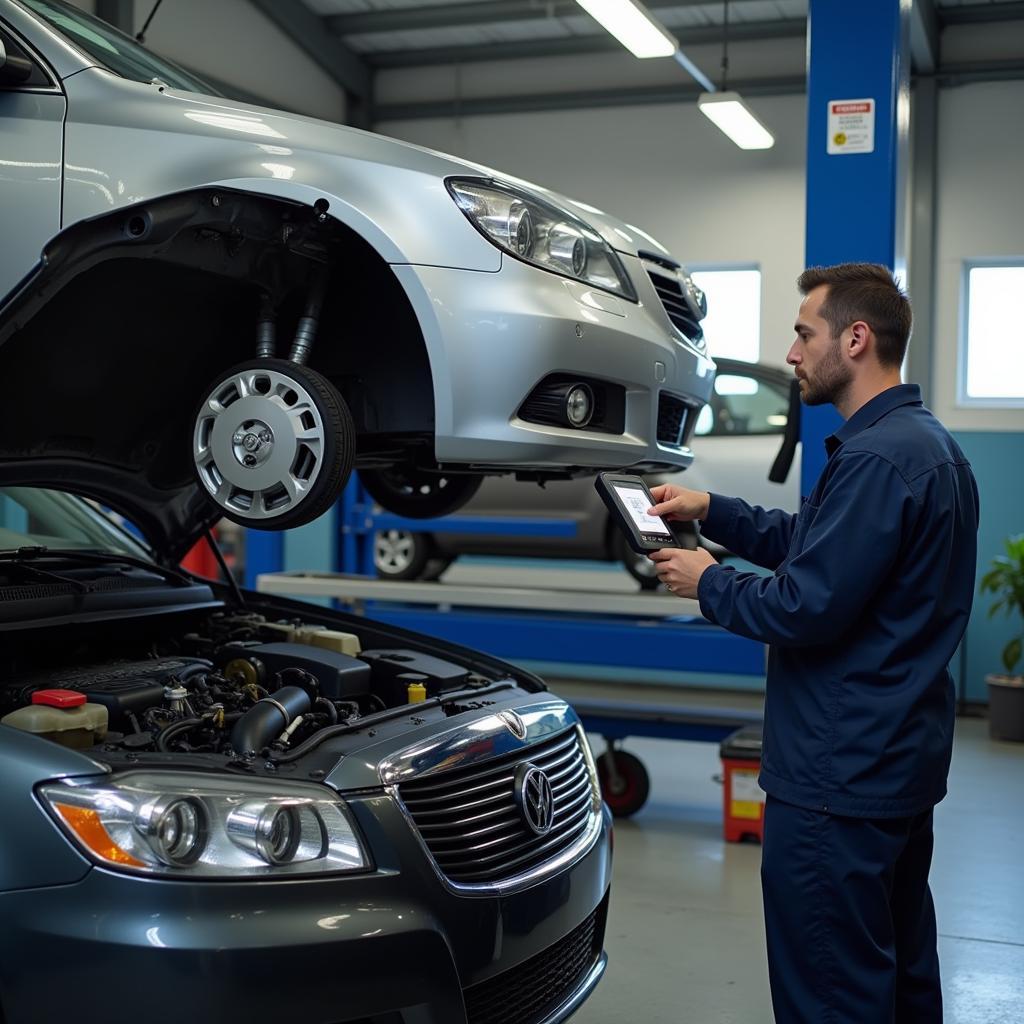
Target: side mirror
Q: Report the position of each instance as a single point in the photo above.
(13, 69)
(790, 439)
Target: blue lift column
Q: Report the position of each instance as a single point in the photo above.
(858, 121)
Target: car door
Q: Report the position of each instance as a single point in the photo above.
(32, 110)
(738, 436)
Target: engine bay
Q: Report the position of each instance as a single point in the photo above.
(244, 685)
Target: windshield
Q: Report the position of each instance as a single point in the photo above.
(114, 50)
(36, 517)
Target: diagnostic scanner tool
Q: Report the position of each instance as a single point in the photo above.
(628, 500)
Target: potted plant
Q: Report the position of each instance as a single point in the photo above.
(1005, 579)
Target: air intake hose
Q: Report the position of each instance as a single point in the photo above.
(268, 718)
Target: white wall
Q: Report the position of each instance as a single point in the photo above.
(980, 214)
(668, 170)
(234, 42)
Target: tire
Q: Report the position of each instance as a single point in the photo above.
(401, 554)
(640, 567)
(635, 784)
(298, 472)
(417, 494)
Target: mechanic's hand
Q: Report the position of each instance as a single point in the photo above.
(681, 570)
(679, 503)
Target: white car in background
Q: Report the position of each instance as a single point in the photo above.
(746, 443)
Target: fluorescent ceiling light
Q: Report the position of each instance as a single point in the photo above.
(732, 115)
(633, 26)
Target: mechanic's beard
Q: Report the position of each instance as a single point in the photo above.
(831, 380)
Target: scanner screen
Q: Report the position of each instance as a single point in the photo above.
(636, 504)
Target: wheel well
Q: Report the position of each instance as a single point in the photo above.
(132, 315)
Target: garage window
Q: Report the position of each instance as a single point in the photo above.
(991, 371)
(733, 324)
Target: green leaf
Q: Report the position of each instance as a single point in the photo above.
(1005, 579)
(1011, 654)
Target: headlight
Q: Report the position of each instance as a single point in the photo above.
(181, 825)
(537, 232)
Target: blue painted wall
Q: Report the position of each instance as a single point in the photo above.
(998, 462)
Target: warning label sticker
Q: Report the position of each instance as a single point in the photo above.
(851, 126)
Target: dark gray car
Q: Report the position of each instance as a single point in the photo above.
(223, 807)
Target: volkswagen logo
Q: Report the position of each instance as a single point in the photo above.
(534, 798)
(515, 724)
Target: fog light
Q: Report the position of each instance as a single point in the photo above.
(579, 405)
(175, 828)
(278, 832)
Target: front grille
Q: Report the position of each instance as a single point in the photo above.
(529, 992)
(670, 291)
(470, 822)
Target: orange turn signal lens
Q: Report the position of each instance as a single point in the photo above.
(89, 829)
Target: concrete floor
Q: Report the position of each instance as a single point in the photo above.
(686, 940)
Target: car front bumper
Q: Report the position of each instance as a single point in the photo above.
(387, 947)
(492, 337)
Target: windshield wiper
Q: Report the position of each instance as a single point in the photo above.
(35, 554)
(35, 572)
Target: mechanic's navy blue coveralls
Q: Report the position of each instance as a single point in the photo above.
(871, 593)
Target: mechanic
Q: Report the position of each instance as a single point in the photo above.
(871, 592)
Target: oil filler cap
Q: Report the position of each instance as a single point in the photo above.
(59, 698)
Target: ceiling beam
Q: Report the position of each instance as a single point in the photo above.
(457, 15)
(587, 99)
(972, 14)
(568, 46)
(980, 71)
(924, 36)
(297, 21)
(945, 76)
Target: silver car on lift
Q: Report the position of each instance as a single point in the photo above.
(270, 300)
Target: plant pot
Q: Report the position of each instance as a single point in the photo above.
(1006, 707)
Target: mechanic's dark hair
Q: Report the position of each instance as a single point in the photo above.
(868, 292)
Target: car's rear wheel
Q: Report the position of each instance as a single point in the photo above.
(401, 554)
(273, 444)
(417, 493)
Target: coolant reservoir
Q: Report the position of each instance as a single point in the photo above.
(319, 636)
(63, 716)
(328, 639)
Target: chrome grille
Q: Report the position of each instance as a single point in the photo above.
(470, 822)
(670, 291)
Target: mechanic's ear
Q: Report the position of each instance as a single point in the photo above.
(859, 340)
